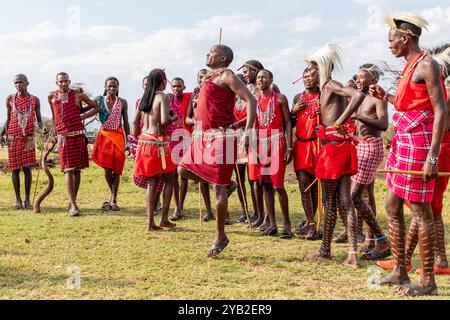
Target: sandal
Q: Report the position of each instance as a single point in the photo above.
(217, 248)
(287, 235)
(415, 290)
(106, 207)
(391, 280)
(376, 255)
(390, 265)
(341, 238)
(115, 208)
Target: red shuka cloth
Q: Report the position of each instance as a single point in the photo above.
(214, 110)
(337, 160)
(149, 161)
(73, 152)
(306, 152)
(109, 150)
(271, 166)
(21, 149)
(413, 96)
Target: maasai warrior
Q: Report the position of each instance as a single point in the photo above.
(153, 158)
(419, 129)
(304, 114)
(142, 182)
(68, 117)
(371, 119)
(191, 119)
(337, 160)
(212, 155)
(251, 69)
(441, 265)
(342, 237)
(179, 102)
(24, 110)
(110, 144)
(275, 150)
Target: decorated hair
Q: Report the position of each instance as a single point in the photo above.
(155, 79)
(442, 56)
(108, 80)
(254, 65)
(373, 70)
(326, 59)
(407, 24)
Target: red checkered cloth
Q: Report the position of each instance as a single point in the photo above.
(21, 148)
(370, 156)
(410, 148)
(73, 152)
(442, 182)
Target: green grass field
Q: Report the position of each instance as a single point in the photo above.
(115, 258)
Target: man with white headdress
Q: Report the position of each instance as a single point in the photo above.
(337, 160)
(420, 124)
(371, 120)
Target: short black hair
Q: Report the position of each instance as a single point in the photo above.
(268, 72)
(178, 79)
(62, 74)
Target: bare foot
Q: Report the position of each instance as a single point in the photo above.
(271, 231)
(352, 262)
(152, 228)
(167, 225)
(318, 256)
(19, 205)
(28, 205)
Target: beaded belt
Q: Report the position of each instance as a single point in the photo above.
(62, 136)
(157, 143)
(20, 138)
(273, 138)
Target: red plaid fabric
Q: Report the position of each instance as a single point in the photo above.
(73, 152)
(21, 149)
(142, 182)
(21, 153)
(442, 182)
(410, 147)
(113, 122)
(370, 156)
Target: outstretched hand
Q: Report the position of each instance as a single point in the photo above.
(377, 92)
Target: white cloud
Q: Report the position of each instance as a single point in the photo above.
(306, 23)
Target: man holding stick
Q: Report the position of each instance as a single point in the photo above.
(420, 125)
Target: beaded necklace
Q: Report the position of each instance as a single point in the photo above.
(266, 117)
(22, 117)
(310, 106)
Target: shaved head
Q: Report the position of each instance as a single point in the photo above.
(226, 52)
(22, 77)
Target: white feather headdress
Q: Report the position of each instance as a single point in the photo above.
(442, 56)
(417, 21)
(327, 59)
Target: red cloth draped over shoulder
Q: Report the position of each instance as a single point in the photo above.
(306, 149)
(413, 96)
(214, 110)
(240, 111)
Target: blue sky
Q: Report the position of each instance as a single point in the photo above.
(95, 39)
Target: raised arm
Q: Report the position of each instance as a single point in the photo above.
(239, 88)
(94, 107)
(381, 123)
(356, 98)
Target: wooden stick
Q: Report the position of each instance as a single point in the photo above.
(319, 186)
(200, 203)
(297, 81)
(243, 197)
(220, 36)
(413, 173)
(312, 185)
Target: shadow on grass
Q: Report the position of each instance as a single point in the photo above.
(20, 279)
